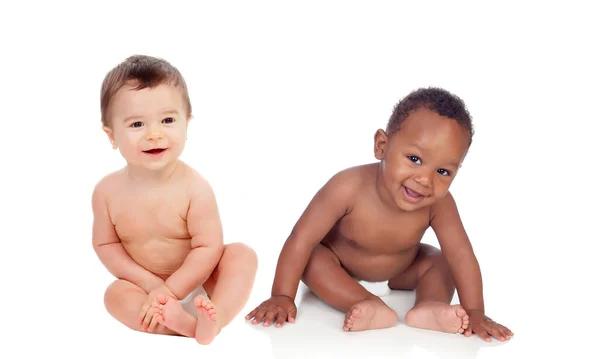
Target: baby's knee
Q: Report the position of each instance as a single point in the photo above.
(319, 258)
(113, 293)
(242, 254)
(433, 258)
(119, 289)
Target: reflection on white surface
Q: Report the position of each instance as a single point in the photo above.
(318, 333)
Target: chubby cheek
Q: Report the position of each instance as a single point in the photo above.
(440, 190)
(129, 152)
(176, 137)
(392, 180)
(176, 146)
(395, 175)
(129, 146)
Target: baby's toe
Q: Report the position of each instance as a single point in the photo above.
(162, 299)
(198, 301)
(348, 325)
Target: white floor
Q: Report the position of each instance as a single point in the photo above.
(82, 327)
(68, 317)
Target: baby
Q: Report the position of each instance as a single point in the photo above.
(366, 223)
(156, 223)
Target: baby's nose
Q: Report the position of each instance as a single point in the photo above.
(424, 179)
(155, 132)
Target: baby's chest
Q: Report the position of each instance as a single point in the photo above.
(150, 217)
(381, 233)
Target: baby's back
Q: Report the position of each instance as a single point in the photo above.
(150, 220)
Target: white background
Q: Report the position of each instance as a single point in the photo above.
(285, 95)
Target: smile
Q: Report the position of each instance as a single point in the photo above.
(411, 195)
(155, 151)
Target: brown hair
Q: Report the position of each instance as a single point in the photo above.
(147, 71)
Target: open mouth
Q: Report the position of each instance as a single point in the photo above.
(412, 195)
(156, 151)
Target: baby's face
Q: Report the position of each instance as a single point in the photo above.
(421, 160)
(149, 126)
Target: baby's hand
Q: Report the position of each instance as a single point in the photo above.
(276, 309)
(483, 326)
(147, 319)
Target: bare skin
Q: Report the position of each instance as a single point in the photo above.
(367, 223)
(157, 227)
(212, 315)
(146, 263)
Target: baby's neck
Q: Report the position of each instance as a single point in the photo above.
(150, 177)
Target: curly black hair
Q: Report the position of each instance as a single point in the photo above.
(435, 99)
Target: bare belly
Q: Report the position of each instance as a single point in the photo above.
(161, 256)
(369, 266)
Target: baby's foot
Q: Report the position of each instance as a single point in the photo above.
(438, 316)
(172, 315)
(207, 326)
(369, 314)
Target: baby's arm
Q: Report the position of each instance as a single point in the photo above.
(204, 226)
(458, 251)
(110, 250)
(332, 202)
(329, 204)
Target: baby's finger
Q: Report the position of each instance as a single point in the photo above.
(505, 331)
(270, 317)
(143, 311)
(259, 316)
(496, 333)
(153, 323)
(147, 319)
(252, 313)
(480, 330)
(281, 317)
(291, 316)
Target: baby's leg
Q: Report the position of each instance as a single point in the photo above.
(124, 300)
(327, 279)
(228, 288)
(431, 277)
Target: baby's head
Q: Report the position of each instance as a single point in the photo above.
(434, 99)
(423, 146)
(145, 109)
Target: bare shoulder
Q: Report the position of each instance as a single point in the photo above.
(107, 186)
(196, 183)
(349, 181)
(444, 210)
(340, 192)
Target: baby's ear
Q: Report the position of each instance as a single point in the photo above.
(111, 136)
(381, 139)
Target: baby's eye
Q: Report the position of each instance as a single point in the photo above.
(137, 124)
(415, 159)
(443, 172)
(169, 120)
